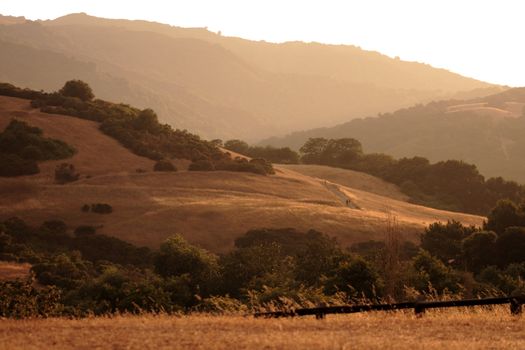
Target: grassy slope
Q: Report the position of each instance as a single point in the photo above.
(349, 178)
(451, 329)
(209, 208)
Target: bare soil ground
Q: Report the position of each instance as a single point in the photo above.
(209, 208)
(12, 271)
(450, 329)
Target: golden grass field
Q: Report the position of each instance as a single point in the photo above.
(208, 208)
(448, 329)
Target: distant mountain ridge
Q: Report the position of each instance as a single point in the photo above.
(219, 87)
(487, 132)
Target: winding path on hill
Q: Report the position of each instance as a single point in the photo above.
(347, 201)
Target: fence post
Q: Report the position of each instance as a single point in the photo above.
(515, 306)
(419, 309)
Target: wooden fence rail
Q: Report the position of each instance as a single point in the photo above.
(515, 302)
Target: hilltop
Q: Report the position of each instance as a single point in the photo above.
(484, 131)
(216, 86)
(208, 208)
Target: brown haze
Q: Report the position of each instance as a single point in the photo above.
(219, 86)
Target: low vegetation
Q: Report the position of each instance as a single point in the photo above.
(65, 173)
(268, 268)
(99, 208)
(282, 155)
(22, 146)
(164, 165)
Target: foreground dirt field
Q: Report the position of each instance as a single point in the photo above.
(451, 329)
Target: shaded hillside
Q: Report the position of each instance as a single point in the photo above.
(487, 132)
(218, 86)
(209, 208)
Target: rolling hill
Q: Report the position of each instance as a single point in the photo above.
(487, 132)
(209, 208)
(219, 86)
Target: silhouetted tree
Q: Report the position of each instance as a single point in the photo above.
(505, 214)
(444, 240)
(479, 250)
(77, 88)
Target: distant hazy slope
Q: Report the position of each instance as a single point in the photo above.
(487, 132)
(343, 62)
(209, 208)
(229, 87)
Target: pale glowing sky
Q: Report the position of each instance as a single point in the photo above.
(483, 39)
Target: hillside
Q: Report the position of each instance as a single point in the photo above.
(209, 208)
(485, 131)
(219, 86)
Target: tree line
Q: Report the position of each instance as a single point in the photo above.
(84, 272)
(450, 185)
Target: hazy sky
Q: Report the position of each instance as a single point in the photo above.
(477, 38)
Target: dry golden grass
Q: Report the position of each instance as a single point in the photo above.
(11, 271)
(350, 178)
(450, 329)
(209, 208)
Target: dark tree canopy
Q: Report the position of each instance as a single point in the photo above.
(79, 89)
(505, 214)
(444, 240)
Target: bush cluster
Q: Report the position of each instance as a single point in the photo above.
(283, 155)
(22, 146)
(164, 165)
(99, 208)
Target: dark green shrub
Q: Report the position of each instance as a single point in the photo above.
(12, 165)
(479, 250)
(201, 165)
(444, 241)
(164, 165)
(77, 88)
(20, 299)
(356, 277)
(65, 173)
(263, 163)
(511, 246)
(27, 142)
(57, 227)
(13, 91)
(101, 208)
(85, 230)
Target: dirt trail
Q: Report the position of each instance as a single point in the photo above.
(347, 201)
